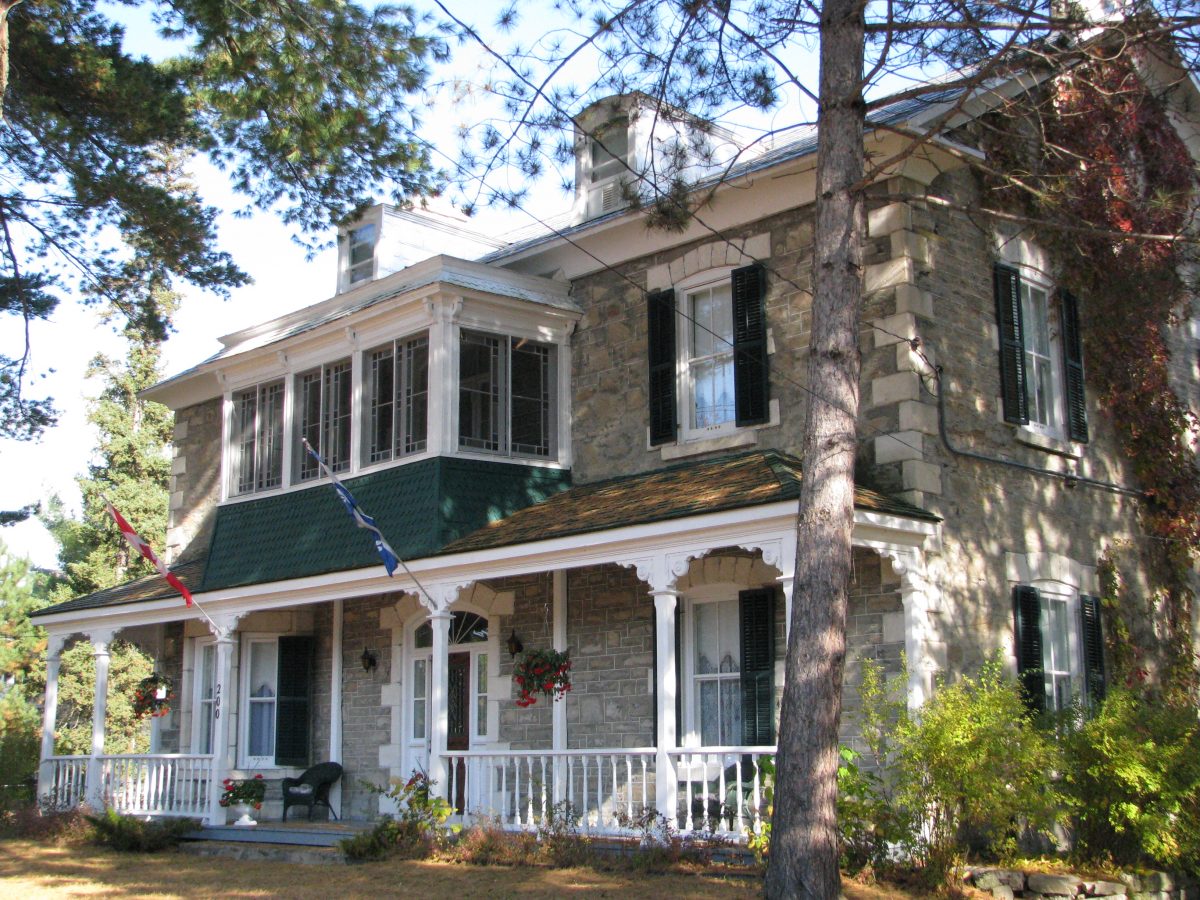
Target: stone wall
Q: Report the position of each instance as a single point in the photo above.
(610, 417)
(195, 480)
(610, 629)
(366, 723)
(1005, 884)
(532, 620)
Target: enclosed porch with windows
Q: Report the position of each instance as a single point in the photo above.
(669, 592)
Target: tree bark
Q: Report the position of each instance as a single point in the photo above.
(804, 849)
(6, 7)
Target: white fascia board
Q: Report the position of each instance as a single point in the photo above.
(748, 526)
(614, 241)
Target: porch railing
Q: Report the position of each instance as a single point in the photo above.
(160, 784)
(719, 790)
(722, 789)
(63, 781)
(598, 790)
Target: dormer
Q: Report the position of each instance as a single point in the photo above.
(626, 144)
(386, 239)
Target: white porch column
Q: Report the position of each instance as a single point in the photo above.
(54, 647)
(100, 644)
(922, 647)
(665, 780)
(558, 708)
(439, 720)
(226, 634)
(335, 702)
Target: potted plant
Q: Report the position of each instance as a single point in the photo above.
(542, 672)
(242, 797)
(153, 696)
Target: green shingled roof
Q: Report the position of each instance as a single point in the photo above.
(419, 507)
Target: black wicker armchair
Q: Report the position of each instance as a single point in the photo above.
(312, 788)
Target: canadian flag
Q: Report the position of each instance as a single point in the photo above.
(136, 542)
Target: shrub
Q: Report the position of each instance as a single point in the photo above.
(414, 829)
(488, 844)
(975, 765)
(46, 827)
(1132, 779)
(134, 835)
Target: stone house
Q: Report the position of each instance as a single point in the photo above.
(585, 442)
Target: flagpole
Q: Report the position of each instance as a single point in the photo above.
(192, 600)
(337, 483)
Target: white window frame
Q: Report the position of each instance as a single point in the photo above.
(234, 444)
(1066, 673)
(684, 348)
(199, 704)
(402, 400)
(364, 269)
(1057, 579)
(1035, 271)
(305, 469)
(245, 688)
(504, 401)
(689, 728)
(482, 655)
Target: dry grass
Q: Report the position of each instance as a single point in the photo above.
(31, 871)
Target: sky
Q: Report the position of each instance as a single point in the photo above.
(283, 280)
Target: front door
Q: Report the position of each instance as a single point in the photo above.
(458, 714)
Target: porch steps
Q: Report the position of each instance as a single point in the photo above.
(293, 843)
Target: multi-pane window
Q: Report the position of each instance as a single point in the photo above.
(481, 688)
(257, 445)
(206, 683)
(420, 696)
(1041, 394)
(397, 390)
(362, 253)
(709, 352)
(323, 398)
(609, 150)
(505, 395)
(1056, 651)
(717, 666)
(263, 689)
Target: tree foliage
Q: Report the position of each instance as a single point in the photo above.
(309, 107)
(132, 469)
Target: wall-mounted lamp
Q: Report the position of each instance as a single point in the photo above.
(514, 644)
(369, 660)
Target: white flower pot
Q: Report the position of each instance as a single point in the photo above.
(241, 815)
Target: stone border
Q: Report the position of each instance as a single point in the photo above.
(1007, 884)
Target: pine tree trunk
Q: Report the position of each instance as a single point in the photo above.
(804, 851)
(5, 7)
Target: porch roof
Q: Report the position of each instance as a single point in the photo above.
(686, 489)
(150, 587)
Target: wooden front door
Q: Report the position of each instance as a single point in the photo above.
(458, 714)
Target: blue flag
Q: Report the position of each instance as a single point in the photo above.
(361, 519)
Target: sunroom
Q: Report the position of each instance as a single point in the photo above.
(669, 591)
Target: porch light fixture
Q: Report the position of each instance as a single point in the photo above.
(514, 644)
(369, 660)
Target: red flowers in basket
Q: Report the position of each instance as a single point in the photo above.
(542, 672)
(152, 697)
(251, 791)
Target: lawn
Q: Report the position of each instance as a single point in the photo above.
(29, 871)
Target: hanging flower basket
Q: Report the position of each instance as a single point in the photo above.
(153, 696)
(250, 791)
(542, 672)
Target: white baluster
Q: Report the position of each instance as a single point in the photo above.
(545, 810)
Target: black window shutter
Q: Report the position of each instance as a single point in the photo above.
(758, 666)
(661, 354)
(1072, 348)
(1027, 609)
(292, 704)
(1006, 283)
(751, 378)
(1094, 681)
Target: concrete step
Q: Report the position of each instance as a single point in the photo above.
(247, 850)
(324, 834)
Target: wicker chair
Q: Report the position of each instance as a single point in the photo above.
(311, 789)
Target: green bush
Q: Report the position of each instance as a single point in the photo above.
(414, 829)
(1132, 779)
(132, 835)
(968, 773)
(389, 837)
